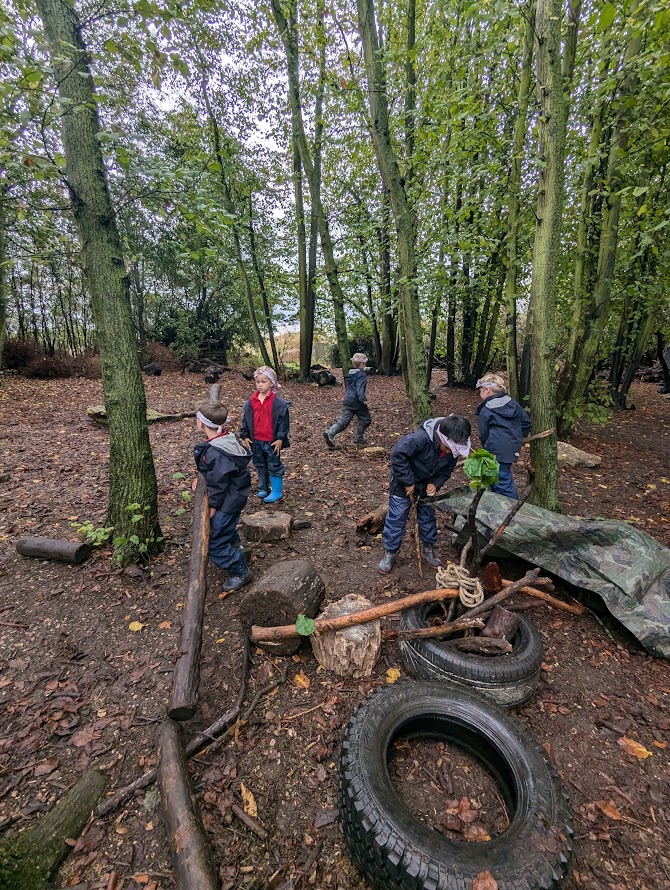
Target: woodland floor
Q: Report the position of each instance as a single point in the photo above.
(78, 687)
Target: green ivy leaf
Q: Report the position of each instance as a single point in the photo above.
(304, 625)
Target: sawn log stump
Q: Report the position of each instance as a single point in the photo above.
(288, 589)
(352, 651)
(264, 526)
(74, 552)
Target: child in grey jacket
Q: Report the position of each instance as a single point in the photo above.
(354, 403)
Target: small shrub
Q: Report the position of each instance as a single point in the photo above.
(50, 367)
(165, 357)
(17, 354)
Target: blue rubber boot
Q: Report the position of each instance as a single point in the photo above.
(263, 491)
(277, 490)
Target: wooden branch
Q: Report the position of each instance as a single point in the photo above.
(474, 534)
(373, 521)
(256, 827)
(417, 537)
(572, 608)
(506, 592)
(214, 391)
(506, 521)
(184, 699)
(442, 630)
(195, 746)
(288, 631)
(502, 624)
(74, 552)
(186, 836)
(481, 646)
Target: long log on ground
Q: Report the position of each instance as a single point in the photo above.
(288, 631)
(184, 699)
(29, 860)
(289, 588)
(74, 552)
(195, 746)
(572, 608)
(192, 867)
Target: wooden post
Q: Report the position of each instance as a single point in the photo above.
(187, 669)
(190, 860)
(74, 552)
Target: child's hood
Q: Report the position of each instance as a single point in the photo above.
(430, 424)
(503, 405)
(357, 371)
(230, 444)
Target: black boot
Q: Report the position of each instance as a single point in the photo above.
(429, 555)
(386, 564)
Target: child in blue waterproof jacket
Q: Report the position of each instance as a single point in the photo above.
(354, 403)
(421, 463)
(223, 461)
(265, 428)
(503, 423)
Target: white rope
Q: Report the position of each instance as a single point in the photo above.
(470, 590)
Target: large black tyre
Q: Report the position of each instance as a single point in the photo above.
(396, 851)
(508, 680)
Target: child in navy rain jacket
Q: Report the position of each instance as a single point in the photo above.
(223, 460)
(421, 463)
(265, 430)
(502, 425)
(354, 403)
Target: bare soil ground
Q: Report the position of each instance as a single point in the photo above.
(78, 686)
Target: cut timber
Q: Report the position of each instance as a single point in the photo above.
(572, 608)
(98, 413)
(263, 526)
(352, 651)
(288, 589)
(74, 552)
(187, 669)
(264, 635)
(29, 860)
(373, 522)
(479, 646)
(190, 860)
(502, 624)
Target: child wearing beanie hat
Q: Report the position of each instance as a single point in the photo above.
(354, 403)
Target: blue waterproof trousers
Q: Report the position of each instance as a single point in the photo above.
(396, 520)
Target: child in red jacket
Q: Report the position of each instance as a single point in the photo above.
(265, 429)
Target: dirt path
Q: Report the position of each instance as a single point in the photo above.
(77, 686)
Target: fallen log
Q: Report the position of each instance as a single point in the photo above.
(481, 646)
(572, 608)
(186, 836)
(373, 522)
(184, 698)
(289, 588)
(30, 860)
(98, 413)
(74, 552)
(440, 630)
(502, 624)
(288, 632)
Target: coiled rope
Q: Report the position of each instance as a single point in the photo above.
(470, 590)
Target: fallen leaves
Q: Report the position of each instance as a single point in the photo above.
(248, 801)
(301, 680)
(484, 881)
(634, 748)
(136, 626)
(609, 809)
(392, 674)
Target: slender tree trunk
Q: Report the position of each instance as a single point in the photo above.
(132, 477)
(261, 284)
(3, 263)
(410, 94)
(290, 41)
(514, 194)
(553, 100)
(412, 335)
(388, 318)
(306, 342)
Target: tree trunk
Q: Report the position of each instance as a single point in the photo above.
(260, 277)
(388, 319)
(3, 263)
(412, 335)
(290, 42)
(552, 96)
(306, 305)
(132, 478)
(514, 195)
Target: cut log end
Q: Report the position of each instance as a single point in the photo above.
(74, 552)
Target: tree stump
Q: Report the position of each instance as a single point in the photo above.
(288, 589)
(74, 552)
(29, 860)
(352, 651)
(264, 526)
(502, 624)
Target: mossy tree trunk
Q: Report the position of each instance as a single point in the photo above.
(414, 364)
(132, 477)
(553, 78)
(3, 267)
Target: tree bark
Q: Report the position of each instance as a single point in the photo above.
(412, 335)
(3, 263)
(260, 277)
(74, 552)
(132, 478)
(552, 89)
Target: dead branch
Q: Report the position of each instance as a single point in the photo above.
(442, 630)
(506, 521)
(288, 631)
(572, 608)
(481, 646)
(255, 826)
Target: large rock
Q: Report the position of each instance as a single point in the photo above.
(569, 456)
(263, 526)
(352, 651)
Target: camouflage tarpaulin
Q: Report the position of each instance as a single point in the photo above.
(626, 568)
